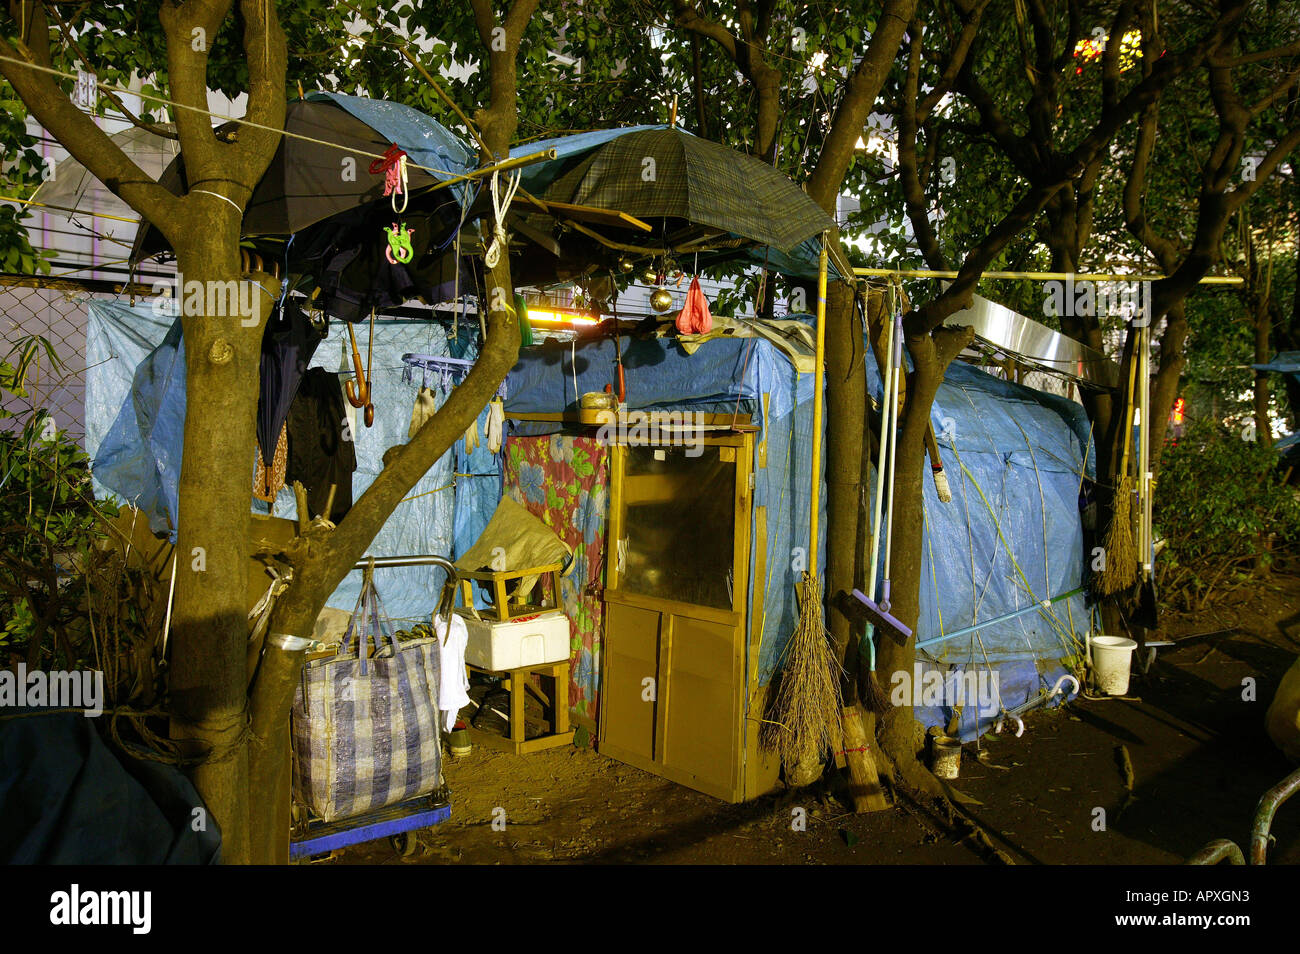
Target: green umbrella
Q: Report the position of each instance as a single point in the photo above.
(668, 173)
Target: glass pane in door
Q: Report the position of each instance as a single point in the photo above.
(679, 524)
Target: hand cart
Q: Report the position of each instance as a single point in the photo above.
(311, 838)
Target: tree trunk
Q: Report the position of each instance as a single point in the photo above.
(208, 676)
(900, 733)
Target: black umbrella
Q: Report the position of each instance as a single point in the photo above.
(322, 169)
(668, 173)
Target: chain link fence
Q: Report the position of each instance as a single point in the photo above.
(55, 310)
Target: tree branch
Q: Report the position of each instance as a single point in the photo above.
(77, 131)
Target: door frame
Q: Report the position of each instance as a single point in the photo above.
(742, 446)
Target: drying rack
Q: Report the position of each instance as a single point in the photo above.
(449, 371)
(311, 839)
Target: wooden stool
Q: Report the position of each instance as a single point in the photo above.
(501, 608)
(557, 708)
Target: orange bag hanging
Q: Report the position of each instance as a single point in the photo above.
(694, 318)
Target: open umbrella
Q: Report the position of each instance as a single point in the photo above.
(323, 165)
(655, 174)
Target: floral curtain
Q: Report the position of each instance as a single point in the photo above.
(563, 481)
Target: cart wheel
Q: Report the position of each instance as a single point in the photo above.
(404, 843)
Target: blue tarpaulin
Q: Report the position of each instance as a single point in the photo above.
(135, 411)
(427, 142)
(1011, 537)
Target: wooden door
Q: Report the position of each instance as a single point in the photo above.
(673, 681)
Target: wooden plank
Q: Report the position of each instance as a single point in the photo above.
(663, 678)
(560, 720)
(708, 614)
(518, 695)
(584, 213)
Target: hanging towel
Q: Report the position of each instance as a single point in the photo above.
(694, 318)
(495, 425)
(453, 688)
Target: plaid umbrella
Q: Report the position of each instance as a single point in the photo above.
(668, 173)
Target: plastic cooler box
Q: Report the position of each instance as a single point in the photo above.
(529, 641)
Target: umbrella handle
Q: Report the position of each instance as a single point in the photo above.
(358, 391)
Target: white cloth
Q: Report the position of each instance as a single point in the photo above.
(495, 425)
(425, 407)
(453, 688)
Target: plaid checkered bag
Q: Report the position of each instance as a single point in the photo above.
(365, 727)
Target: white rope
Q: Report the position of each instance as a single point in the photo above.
(500, 206)
(223, 198)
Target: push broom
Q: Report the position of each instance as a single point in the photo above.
(1120, 566)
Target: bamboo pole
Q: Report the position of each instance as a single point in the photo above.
(1035, 276)
(814, 520)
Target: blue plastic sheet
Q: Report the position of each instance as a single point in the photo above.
(135, 401)
(427, 142)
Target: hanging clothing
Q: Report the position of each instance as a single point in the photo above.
(321, 450)
(425, 407)
(288, 343)
(268, 479)
(453, 679)
(694, 318)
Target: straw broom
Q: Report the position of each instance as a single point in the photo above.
(1119, 569)
(806, 709)
(805, 716)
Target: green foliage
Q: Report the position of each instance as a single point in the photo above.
(1223, 507)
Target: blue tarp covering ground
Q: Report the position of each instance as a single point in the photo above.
(135, 410)
(69, 798)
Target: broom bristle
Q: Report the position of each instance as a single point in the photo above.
(807, 702)
(1120, 568)
(874, 698)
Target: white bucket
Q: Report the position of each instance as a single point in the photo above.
(1112, 657)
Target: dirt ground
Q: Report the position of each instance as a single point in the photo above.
(1200, 761)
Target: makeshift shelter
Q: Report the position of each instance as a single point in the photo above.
(688, 533)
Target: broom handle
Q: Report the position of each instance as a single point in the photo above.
(897, 359)
(1143, 479)
(1128, 416)
(815, 516)
(886, 382)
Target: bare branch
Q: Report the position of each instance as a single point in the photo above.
(78, 132)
